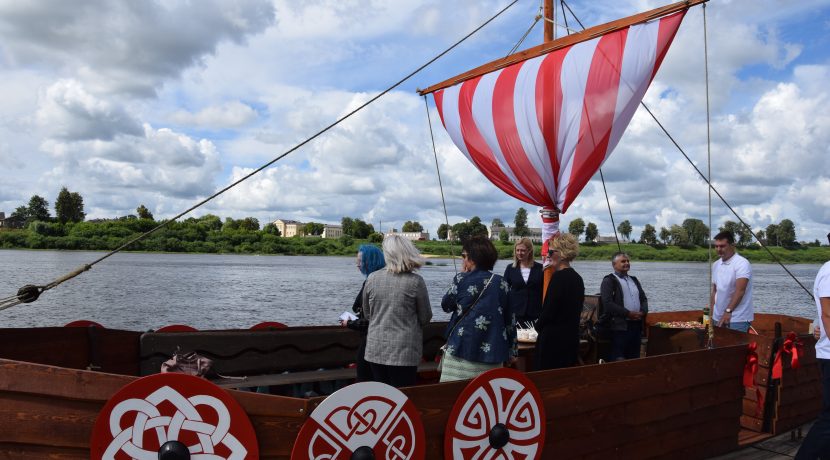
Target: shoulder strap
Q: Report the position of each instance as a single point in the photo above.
(468, 310)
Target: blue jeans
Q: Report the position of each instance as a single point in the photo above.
(817, 443)
(742, 326)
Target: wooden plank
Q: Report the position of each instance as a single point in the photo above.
(563, 42)
(30, 452)
(304, 377)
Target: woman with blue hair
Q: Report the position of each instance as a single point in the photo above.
(369, 259)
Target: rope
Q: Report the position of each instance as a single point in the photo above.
(711, 326)
(521, 40)
(712, 187)
(709, 183)
(440, 185)
(608, 202)
(86, 267)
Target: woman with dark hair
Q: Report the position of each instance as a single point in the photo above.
(481, 334)
(524, 276)
(369, 259)
(557, 345)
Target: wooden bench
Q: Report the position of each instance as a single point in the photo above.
(278, 357)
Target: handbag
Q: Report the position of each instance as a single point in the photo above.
(443, 348)
(190, 363)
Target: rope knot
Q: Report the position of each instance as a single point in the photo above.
(28, 293)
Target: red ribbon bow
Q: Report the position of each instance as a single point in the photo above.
(793, 346)
(750, 369)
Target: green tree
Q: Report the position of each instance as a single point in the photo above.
(143, 212)
(22, 213)
(697, 231)
(649, 235)
(442, 231)
(679, 236)
(230, 225)
(38, 209)
(576, 227)
(249, 224)
(625, 229)
(69, 207)
(410, 226)
(742, 234)
(520, 221)
(346, 241)
(497, 223)
(348, 225)
(375, 237)
(665, 235)
(271, 229)
(504, 237)
(362, 230)
(761, 235)
(591, 232)
(313, 228)
(786, 233)
(464, 230)
(772, 235)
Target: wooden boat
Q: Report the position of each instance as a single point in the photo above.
(91, 392)
(682, 399)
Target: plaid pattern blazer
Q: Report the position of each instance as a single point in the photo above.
(397, 307)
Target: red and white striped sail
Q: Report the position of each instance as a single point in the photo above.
(539, 129)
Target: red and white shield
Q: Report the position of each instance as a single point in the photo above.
(499, 415)
(363, 416)
(147, 413)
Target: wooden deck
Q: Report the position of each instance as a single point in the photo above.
(783, 446)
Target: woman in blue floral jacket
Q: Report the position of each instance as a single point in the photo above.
(481, 334)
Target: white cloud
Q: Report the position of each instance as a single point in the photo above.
(231, 115)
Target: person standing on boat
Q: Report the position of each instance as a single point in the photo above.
(731, 286)
(524, 276)
(369, 260)
(396, 304)
(624, 307)
(557, 344)
(817, 443)
(481, 334)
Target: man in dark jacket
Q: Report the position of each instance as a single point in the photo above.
(623, 309)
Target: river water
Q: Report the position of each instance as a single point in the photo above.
(138, 291)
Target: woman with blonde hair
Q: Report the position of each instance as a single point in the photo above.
(524, 276)
(396, 304)
(557, 345)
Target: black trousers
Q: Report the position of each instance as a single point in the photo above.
(626, 344)
(817, 443)
(397, 376)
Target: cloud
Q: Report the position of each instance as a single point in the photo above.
(125, 46)
(230, 115)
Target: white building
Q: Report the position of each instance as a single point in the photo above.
(534, 233)
(332, 231)
(414, 236)
(289, 228)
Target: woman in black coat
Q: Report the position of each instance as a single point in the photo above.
(557, 345)
(524, 276)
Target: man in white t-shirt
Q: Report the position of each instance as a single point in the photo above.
(731, 286)
(817, 443)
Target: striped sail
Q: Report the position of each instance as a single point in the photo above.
(539, 129)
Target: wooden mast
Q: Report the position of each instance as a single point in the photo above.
(563, 42)
(548, 19)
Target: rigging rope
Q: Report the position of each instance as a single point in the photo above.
(30, 293)
(440, 185)
(521, 40)
(709, 183)
(711, 326)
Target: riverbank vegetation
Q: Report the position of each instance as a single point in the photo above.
(210, 234)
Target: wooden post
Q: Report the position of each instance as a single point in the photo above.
(548, 17)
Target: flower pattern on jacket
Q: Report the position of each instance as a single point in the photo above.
(487, 333)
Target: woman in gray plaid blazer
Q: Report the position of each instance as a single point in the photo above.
(396, 303)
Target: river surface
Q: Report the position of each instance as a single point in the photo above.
(138, 291)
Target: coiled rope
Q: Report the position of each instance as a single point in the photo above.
(29, 293)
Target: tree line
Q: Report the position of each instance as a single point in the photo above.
(69, 207)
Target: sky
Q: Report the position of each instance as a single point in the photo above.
(162, 103)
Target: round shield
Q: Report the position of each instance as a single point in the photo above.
(164, 412)
(177, 328)
(499, 415)
(363, 420)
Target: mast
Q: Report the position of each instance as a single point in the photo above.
(549, 17)
(563, 42)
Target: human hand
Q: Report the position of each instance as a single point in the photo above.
(344, 322)
(817, 332)
(635, 315)
(724, 319)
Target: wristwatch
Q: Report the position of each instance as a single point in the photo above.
(729, 310)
